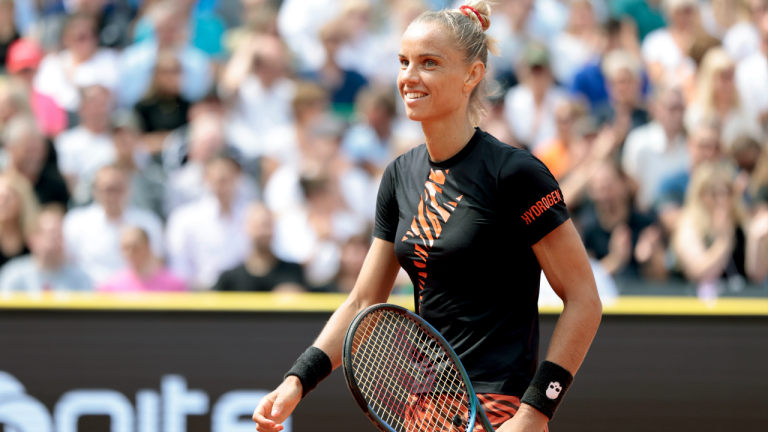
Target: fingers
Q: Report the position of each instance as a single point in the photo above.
(262, 415)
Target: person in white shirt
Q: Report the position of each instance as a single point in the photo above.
(206, 237)
(256, 80)
(47, 268)
(299, 23)
(665, 50)
(743, 38)
(657, 150)
(717, 98)
(575, 47)
(312, 235)
(81, 64)
(92, 233)
(84, 149)
(752, 77)
(137, 62)
(530, 106)
(187, 184)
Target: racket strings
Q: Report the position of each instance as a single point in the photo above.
(399, 366)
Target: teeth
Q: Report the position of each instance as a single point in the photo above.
(415, 95)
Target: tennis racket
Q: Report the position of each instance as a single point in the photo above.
(405, 376)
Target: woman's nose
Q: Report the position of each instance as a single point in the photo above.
(409, 75)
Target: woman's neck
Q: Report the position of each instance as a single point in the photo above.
(148, 269)
(446, 137)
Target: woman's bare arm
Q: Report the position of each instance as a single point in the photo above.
(374, 285)
(562, 256)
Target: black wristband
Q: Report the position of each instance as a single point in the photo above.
(548, 387)
(310, 368)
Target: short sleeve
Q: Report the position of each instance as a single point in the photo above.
(532, 197)
(387, 211)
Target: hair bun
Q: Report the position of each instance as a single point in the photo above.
(479, 11)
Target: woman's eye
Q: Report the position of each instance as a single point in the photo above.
(430, 63)
(404, 63)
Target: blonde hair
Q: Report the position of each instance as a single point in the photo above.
(715, 61)
(706, 175)
(29, 208)
(468, 30)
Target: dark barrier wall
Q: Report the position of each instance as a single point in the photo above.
(643, 373)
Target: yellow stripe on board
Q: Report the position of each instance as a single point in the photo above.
(269, 302)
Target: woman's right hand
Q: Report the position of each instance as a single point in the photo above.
(275, 407)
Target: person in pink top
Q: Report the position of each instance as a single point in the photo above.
(22, 62)
(145, 272)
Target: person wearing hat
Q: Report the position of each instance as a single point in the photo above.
(21, 62)
(530, 106)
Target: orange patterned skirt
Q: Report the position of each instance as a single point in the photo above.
(432, 413)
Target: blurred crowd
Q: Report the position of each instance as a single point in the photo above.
(237, 145)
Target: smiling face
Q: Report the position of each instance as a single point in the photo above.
(434, 80)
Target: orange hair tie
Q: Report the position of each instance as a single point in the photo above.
(463, 10)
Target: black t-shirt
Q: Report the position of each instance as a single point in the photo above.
(463, 230)
(597, 240)
(163, 114)
(239, 279)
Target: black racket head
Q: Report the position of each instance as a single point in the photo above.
(404, 375)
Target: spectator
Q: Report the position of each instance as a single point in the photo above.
(657, 150)
(138, 61)
(665, 50)
(353, 253)
(92, 233)
(530, 106)
(575, 47)
(163, 109)
(589, 81)
(187, 184)
(205, 27)
(285, 144)
(86, 148)
(743, 38)
(28, 153)
(24, 58)
(199, 256)
(145, 272)
(313, 235)
(113, 18)
(710, 240)
(745, 153)
(510, 27)
(647, 14)
(624, 110)
(752, 76)
(81, 64)
(718, 16)
(704, 146)
(322, 157)
(258, 18)
(147, 176)
(299, 22)
(717, 98)
(256, 80)
(8, 32)
(261, 270)
(627, 243)
(47, 268)
(18, 214)
(368, 142)
(342, 85)
(565, 150)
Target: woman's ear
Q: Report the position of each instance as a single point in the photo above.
(475, 74)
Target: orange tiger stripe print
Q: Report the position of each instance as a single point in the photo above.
(432, 413)
(427, 225)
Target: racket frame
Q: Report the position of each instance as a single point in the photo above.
(475, 409)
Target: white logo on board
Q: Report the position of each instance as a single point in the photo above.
(155, 411)
(553, 391)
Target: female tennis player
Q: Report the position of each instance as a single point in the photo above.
(473, 221)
